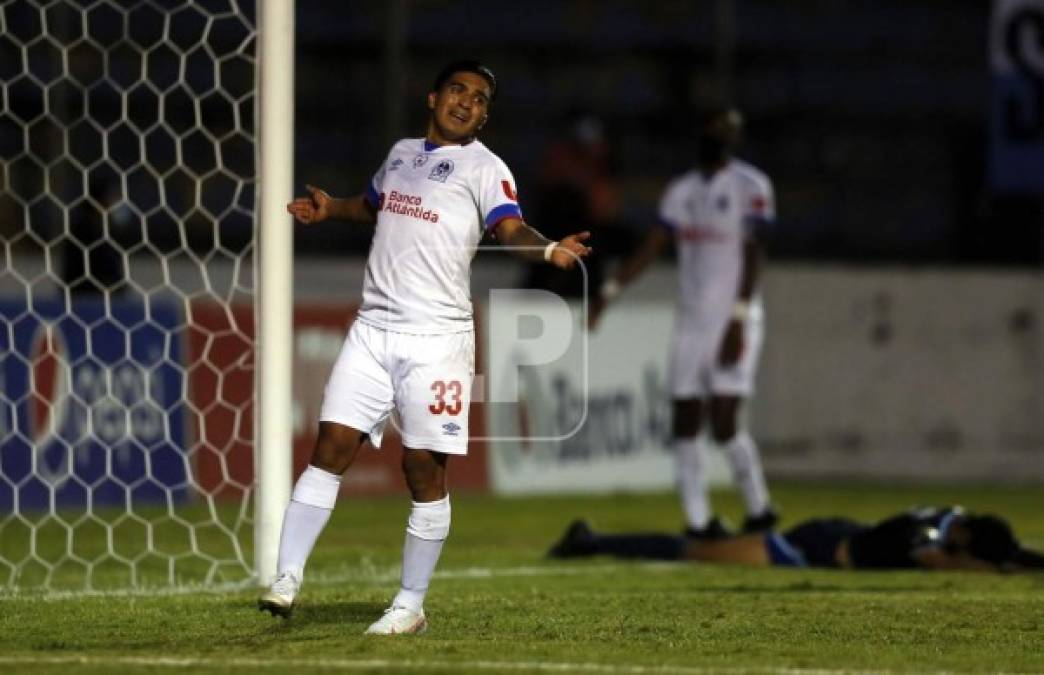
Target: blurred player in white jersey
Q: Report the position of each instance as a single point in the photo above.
(412, 347)
(713, 214)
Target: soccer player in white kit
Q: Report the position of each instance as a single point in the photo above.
(412, 346)
(713, 213)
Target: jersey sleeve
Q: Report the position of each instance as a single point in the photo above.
(671, 213)
(495, 194)
(759, 206)
(376, 186)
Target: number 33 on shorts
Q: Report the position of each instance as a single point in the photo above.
(448, 397)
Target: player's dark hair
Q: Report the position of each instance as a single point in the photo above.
(990, 539)
(467, 66)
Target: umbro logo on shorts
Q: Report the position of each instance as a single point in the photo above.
(450, 429)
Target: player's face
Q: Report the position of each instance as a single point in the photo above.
(459, 108)
(719, 138)
(726, 128)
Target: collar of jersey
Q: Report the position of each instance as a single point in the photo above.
(432, 147)
(720, 172)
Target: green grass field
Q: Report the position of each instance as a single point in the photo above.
(497, 605)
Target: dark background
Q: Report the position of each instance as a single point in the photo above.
(870, 116)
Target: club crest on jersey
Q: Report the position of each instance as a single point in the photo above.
(450, 429)
(441, 171)
(395, 165)
(419, 161)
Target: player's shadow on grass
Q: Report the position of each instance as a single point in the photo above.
(337, 613)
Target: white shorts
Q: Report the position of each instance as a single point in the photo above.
(695, 371)
(426, 378)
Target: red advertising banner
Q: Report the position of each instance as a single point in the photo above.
(221, 379)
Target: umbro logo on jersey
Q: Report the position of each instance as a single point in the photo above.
(419, 161)
(509, 191)
(441, 171)
(450, 429)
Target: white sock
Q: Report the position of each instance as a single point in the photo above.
(692, 481)
(426, 532)
(309, 510)
(743, 454)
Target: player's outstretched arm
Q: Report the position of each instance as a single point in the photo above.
(933, 558)
(630, 269)
(319, 206)
(732, 343)
(533, 246)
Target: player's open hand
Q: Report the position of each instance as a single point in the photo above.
(732, 344)
(570, 250)
(311, 209)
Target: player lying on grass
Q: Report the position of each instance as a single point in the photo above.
(926, 538)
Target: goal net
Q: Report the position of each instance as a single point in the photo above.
(127, 176)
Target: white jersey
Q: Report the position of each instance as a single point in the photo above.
(710, 219)
(433, 204)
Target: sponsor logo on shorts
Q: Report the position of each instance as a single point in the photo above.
(441, 171)
(450, 429)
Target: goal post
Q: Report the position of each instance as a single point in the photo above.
(275, 281)
(145, 291)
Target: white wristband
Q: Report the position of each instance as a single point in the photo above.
(610, 289)
(549, 249)
(741, 310)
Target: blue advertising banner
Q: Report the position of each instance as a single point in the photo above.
(1016, 155)
(92, 404)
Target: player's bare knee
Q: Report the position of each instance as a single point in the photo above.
(723, 431)
(425, 474)
(686, 425)
(724, 418)
(687, 419)
(335, 448)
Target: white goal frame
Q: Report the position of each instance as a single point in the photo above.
(273, 434)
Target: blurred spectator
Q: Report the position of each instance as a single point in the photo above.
(577, 190)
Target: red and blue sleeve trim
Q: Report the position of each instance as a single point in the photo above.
(372, 197)
(502, 212)
(758, 222)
